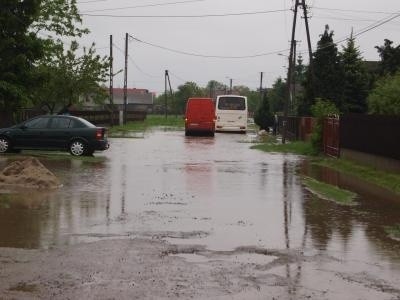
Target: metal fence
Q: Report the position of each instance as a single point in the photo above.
(378, 135)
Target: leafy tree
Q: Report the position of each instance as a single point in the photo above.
(327, 78)
(390, 57)
(59, 17)
(70, 77)
(355, 80)
(19, 51)
(385, 99)
(213, 88)
(277, 95)
(253, 100)
(185, 91)
(320, 110)
(263, 116)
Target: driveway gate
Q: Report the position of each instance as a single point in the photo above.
(331, 137)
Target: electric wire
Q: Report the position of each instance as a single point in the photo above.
(362, 31)
(135, 64)
(353, 10)
(187, 16)
(204, 55)
(144, 5)
(83, 2)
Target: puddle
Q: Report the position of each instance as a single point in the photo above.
(213, 192)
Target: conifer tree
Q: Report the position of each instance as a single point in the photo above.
(355, 80)
(327, 78)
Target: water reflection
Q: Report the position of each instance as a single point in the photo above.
(20, 218)
(360, 227)
(41, 218)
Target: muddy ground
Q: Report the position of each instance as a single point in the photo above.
(138, 268)
(169, 217)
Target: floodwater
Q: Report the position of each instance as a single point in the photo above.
(215, 192)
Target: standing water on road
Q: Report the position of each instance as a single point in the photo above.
(213, 192)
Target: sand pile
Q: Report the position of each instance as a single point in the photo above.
(28, 173)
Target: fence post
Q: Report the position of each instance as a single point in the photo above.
(121, 117)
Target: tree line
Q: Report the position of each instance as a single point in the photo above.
(339, 77)
(43, 65)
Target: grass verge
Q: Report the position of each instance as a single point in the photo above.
(387, 180)
(393, 231)
(298, 147)
(384, 179)
(329, 192)
(150, 121)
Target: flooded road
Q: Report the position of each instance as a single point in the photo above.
(240, 216)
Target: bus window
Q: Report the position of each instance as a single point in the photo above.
(232, 103)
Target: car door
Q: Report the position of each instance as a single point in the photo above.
(59, 132)
(31, 133)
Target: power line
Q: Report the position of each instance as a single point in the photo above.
(82, 2)
(144, 5)
(135, 64)
(364, 30)
(377, 24)
(353, 10)
(204, 55)
(188, 16)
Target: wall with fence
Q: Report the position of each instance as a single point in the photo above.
(376, 135)
(103, 117)
(298, 128)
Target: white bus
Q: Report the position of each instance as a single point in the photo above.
(231, 112)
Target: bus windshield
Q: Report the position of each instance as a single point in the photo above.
(232, 103)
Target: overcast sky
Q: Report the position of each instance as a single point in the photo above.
(265, 32)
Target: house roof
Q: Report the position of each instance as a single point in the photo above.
(130, 91)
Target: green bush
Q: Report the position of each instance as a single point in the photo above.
(385, 98)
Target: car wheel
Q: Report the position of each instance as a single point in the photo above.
(77, 148)
(5, 145)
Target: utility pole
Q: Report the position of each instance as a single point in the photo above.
(171, 94)
(126, 78)
(311, 67)
(289, 76)
(111, 90)
(292, 62)
(165, 94)
(111, 72)
(230, 85)
(293, 98)
(261, 87)
(303, 3)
